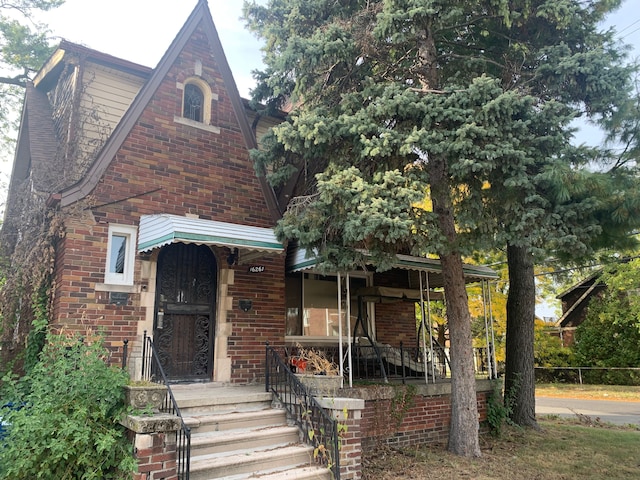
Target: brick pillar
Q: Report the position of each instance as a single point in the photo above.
(348, 413)
(154, 443)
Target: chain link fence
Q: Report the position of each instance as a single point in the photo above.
(589, 375)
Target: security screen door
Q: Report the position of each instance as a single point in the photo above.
(185, 311)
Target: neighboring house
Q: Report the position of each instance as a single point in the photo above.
(574, 302)
(161, 225)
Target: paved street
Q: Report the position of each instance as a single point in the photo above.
(608, 411)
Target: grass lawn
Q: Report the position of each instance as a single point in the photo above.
(562, 449)
(590, 392)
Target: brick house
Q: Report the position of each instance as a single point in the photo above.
(158, 222)
(575, 303)
(121, 151)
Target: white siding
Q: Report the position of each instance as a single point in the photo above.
(106, 96)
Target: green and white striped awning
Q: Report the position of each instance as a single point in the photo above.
(301, 260)
(158, 230)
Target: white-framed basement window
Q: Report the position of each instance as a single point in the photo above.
(121, 254)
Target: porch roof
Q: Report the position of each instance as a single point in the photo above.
(162, 229)
(301, 260)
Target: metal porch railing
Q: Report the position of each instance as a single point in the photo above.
(152, 371)
(318, 428)
(386, 363)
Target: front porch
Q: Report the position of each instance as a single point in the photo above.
(392, 359)
(383, 326)
(216, 430)
(242, 431)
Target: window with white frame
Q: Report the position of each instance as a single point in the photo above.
(121, 254)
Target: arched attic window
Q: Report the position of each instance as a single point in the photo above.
(196, 104)
(193, 102)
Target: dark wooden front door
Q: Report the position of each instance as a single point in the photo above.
(185, 311)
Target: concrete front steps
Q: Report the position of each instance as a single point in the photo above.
(236, 434)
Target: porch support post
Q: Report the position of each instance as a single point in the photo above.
(349, 331)
(486, 328)
(340, 333)
(493, 338)
(430, 323)
(422, 329)
(340, 350)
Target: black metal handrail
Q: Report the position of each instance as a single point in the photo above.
(318, 428)
(152, 371)
(371, 362)
(379, 362)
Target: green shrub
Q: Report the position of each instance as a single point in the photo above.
(498, 409)
(549, 351)
(38, 333)
(609, 337)
(68, 426)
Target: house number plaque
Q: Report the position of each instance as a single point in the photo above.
(119, 298)
(256, 269)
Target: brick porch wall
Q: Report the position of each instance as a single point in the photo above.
(394, 416)
(348, 414)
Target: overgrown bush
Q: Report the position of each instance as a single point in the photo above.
(610, 334)
(67, 427)
(549, 353)
(499, 409)
(548, 349)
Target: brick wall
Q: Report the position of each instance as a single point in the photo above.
(167, 167)
(154, 441)
(395, 322)
(351, 451)
(78, 306)
(156, 455)
(348, 413)
(263, 323)
(403, 416)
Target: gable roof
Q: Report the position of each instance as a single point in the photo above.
(576, 298)
(36, 146)
(199, 15)
(37, 139)
(48, 74)
(582, 284)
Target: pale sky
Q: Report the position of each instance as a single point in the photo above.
(142, 30)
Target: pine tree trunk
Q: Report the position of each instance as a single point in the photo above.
(520, 385)
(463, 432)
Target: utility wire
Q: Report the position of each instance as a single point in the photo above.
(625, 259)
(630, 33)
(628, 27)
